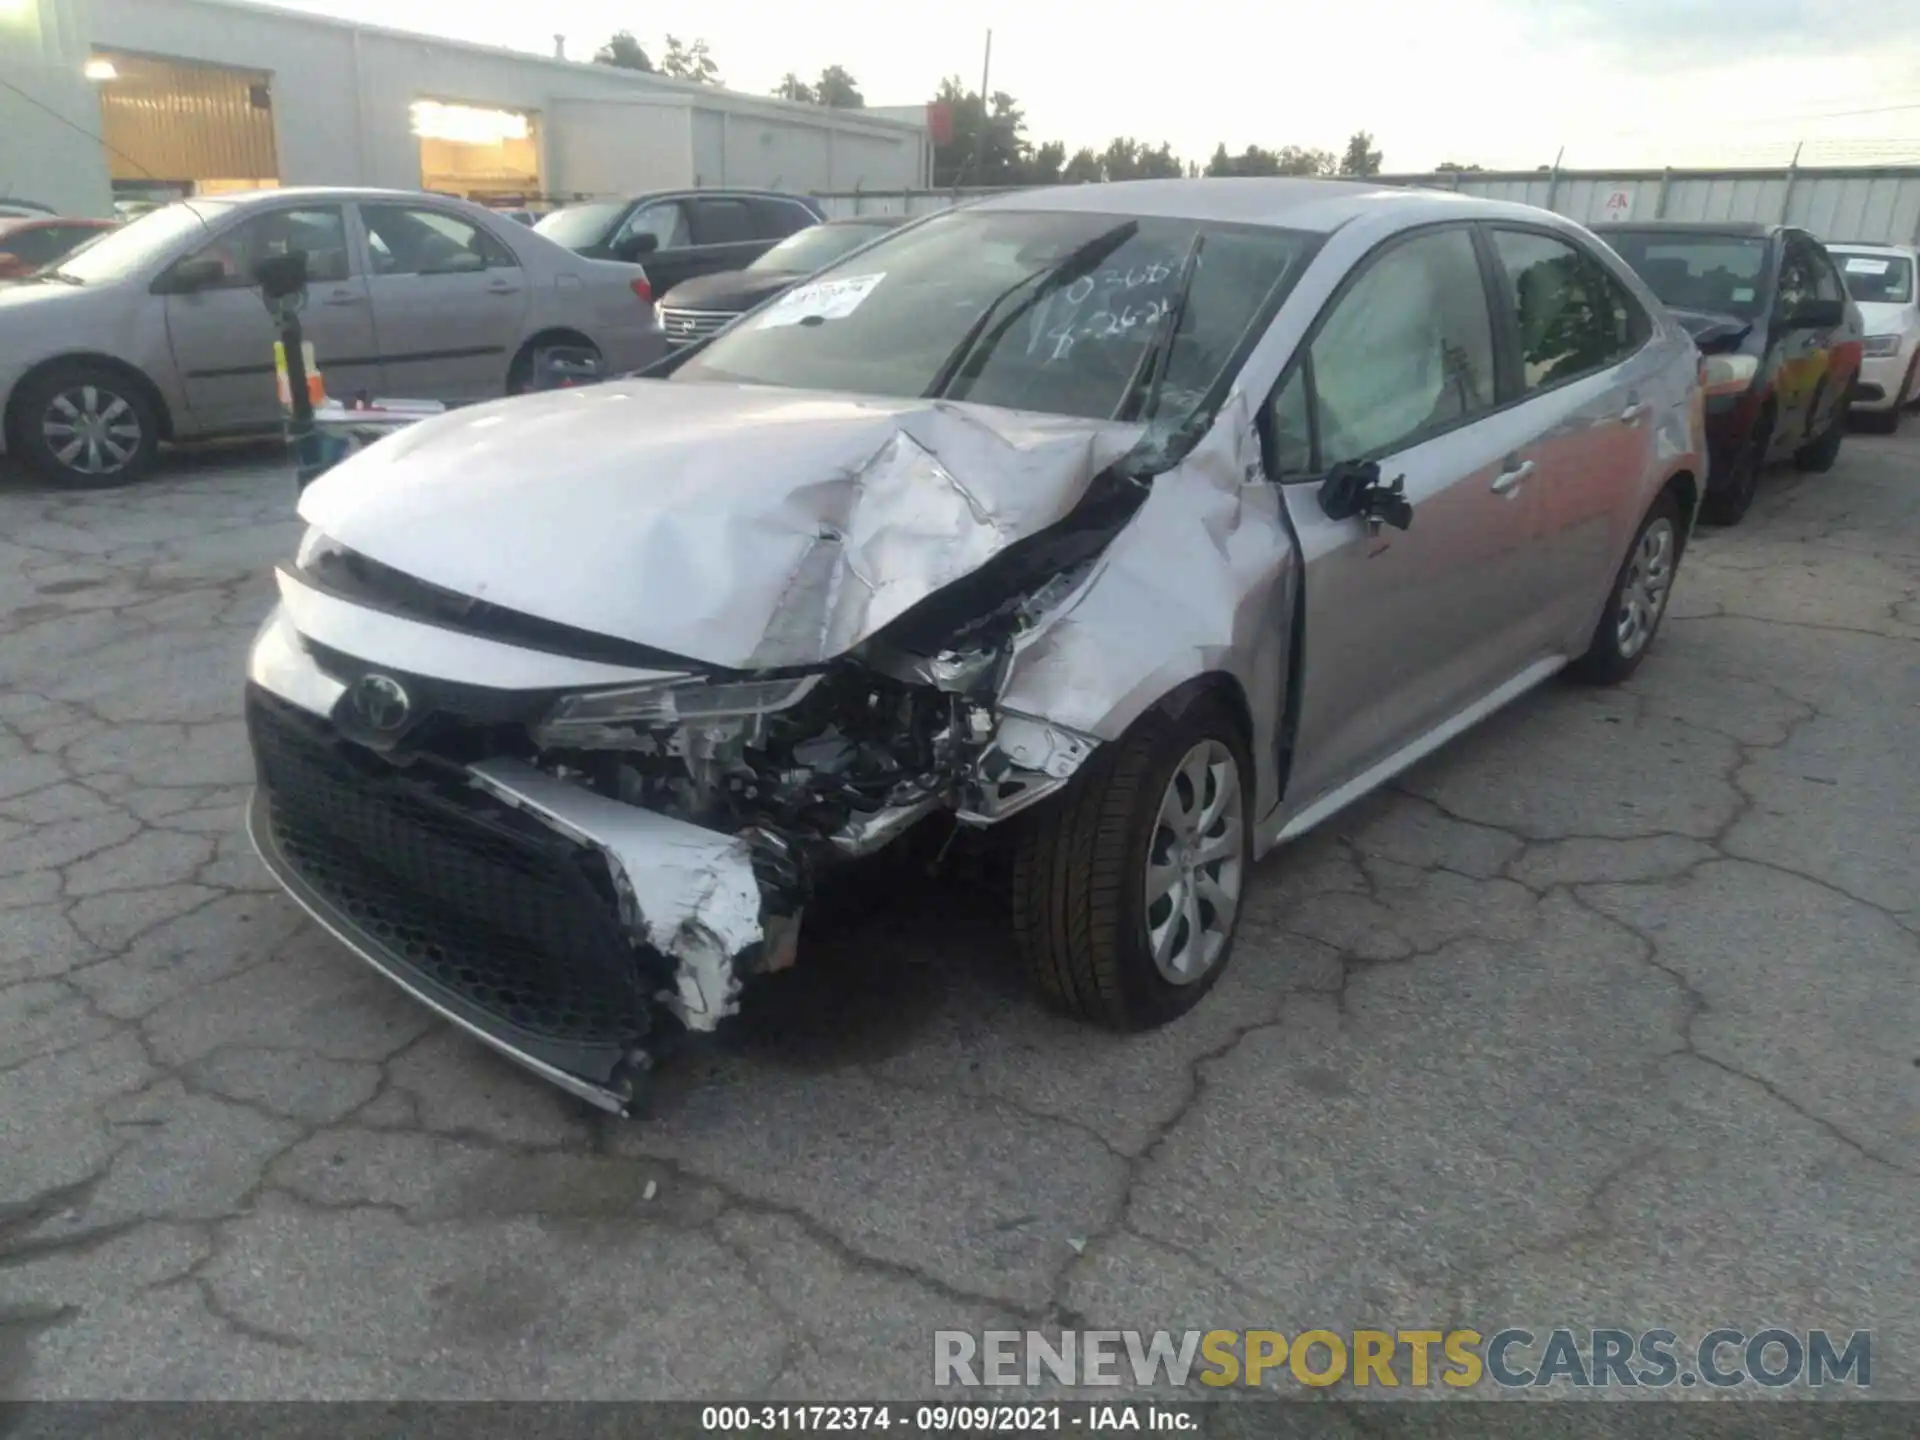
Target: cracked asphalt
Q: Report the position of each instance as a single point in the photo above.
(1605, 1015)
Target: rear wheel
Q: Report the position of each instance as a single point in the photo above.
(1638, 601)
(520, 376)
(85, 426)
(1126, 890)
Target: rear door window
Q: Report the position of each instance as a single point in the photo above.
(724, 221)
(1573, 317)
(777, 219)
(406, 240)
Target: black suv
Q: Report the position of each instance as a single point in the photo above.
(1779, 339)
(678, 234)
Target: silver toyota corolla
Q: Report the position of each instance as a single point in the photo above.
(1147, 524)
(153, 332)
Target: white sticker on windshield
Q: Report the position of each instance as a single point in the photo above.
(1743, 296)
(822, 300)
(1866, 265)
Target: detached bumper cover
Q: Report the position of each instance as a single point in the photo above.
(487, 917)
(545, 920)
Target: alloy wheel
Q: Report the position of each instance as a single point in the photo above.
(91, 430)
(1196, 859)
(1643, 598)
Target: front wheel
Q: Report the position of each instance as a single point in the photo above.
(1126, 890)
(1638, 601)
(1818, 456)
(85, 426)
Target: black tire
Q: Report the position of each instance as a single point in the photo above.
(1880, 422)
(520, 372)
(1616, 648)
(1820, 454)
(1728, 498)
(1910, 387)
(113, 420)
(1081, 916)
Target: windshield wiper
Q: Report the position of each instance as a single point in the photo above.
(1141, 398)
(56, 275)
(1079, 262)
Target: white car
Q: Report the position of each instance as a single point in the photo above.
(1882, 281)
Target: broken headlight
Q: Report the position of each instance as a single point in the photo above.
(578, 718)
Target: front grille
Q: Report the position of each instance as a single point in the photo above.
(480, 902)
(683, 327)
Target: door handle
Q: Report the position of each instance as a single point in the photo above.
(1631, 415)
(1509, 480)
(343, 297)
(503, 287)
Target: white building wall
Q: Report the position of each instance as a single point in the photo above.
(616, 147)
(46, 153)
(341, 98)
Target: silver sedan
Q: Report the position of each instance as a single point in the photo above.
(154, 333)
(1143, 525)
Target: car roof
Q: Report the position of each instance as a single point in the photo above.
(1298, 204)
(1876, 247)
(868, 220)
(1755, 229)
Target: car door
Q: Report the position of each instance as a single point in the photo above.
(449, 302)
(1802, 350)
(1840, 346)
(1404, 628)
(658, 237)
(221, 336)
(729, 232)
(1582, 377)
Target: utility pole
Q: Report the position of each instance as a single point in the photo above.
(980, 135)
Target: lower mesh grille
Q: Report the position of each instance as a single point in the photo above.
(475, 899)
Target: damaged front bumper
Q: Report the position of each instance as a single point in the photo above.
(557, 924)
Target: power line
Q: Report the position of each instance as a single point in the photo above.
(75, 125)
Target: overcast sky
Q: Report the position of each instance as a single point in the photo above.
(1500, 83)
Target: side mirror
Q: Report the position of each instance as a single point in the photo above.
(191, 275)
(1354, 488)
(1816, 315)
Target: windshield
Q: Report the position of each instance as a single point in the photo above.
(580, 225)
(1053, 312)
(1876, 279)
(1720, 274)
(116, 254)
(805, 251)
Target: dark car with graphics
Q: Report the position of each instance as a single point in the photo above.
(1780, 341)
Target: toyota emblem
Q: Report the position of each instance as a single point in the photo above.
(380, 703)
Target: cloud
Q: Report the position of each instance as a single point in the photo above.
(1663, 35)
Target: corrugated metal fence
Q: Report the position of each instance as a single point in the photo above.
(1880, 204)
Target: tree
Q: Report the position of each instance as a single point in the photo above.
(1294, 160)
(1082, 169)
(1251, 161)
(792, 87)
(1449, 165)
(1361, 158)
(624, 51)
(999, 132)
(837, 90)
(1045, 165)
(689, 62)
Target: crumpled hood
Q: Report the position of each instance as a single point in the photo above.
(741, 526)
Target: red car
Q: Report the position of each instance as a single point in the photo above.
(27, 244)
